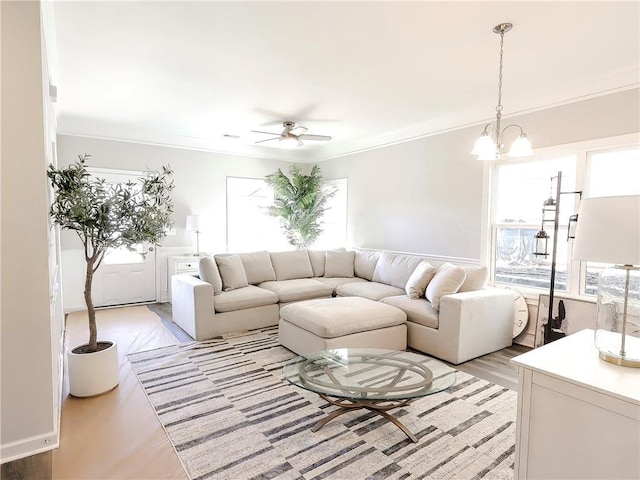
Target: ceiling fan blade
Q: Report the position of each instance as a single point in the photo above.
(266, 133)
(298, 131)
(315, 137)
(268, 139)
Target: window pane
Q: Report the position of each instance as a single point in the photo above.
(523, 187)
(516, 264)
(334, 221)
(249, 228)
(614, 173)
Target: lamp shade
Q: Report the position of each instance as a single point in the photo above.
(193, 223)
(485, 147)
(608, 230)
(521, 147)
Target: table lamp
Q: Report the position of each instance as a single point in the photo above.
(608, 231)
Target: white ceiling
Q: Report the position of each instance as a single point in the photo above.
(366, 73)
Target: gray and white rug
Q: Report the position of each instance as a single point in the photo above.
(230, 415)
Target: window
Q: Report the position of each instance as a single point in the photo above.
(603, 168)
(334, 233)
(249, 228)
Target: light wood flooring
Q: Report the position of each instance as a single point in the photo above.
(494, 367)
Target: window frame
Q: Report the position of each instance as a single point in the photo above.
(576, 269)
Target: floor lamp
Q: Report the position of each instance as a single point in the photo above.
(609, 232)
(193, 225)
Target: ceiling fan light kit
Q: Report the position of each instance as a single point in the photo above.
(490, 143)
(292, 135)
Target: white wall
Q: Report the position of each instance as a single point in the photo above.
(426, 196)
(31, 320)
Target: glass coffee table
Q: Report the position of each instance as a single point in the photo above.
(373, 379)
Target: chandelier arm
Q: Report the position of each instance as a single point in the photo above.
(509, 126)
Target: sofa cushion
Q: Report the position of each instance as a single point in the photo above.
(208, 271)
(339, 264)
(333, 282)
(370, 290)
(257, 266)
(298, 289)
(290, 265)
(231, 271)
(447, 280)
(243, 298)
(476, 279)
(418, 311)
(316, 257)
(419, 279)
(365, 263)
(395, 269)
(336, 317)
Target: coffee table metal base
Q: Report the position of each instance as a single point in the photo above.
(376, 406)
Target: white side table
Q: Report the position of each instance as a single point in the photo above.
(180, 265)
(578, 416)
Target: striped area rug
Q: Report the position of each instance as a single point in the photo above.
(230, 415)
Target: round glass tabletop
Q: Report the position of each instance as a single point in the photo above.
(370, 374)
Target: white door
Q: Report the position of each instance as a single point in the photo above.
(126, 277)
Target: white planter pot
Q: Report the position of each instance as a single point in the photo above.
(93, 373)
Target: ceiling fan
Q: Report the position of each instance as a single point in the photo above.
(292, 135)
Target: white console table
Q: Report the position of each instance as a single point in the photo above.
(180, 265)
(578, 416)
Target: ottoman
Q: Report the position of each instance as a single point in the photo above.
(341, 322)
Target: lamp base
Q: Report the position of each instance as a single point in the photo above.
(624, 362)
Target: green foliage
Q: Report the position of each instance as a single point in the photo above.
(107, 216)
(300, 203)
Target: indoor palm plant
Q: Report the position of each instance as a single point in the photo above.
(106, 216)
(300, 203)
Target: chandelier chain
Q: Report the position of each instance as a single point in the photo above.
(499, 106)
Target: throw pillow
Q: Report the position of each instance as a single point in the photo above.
(339, 264)
(232, 272)
(419, 279)
(290, 265)
(257, 267)
(365, 263)
(447, 280)
(476, 279)
(208, 270)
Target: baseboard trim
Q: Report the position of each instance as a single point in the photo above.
(29, 446)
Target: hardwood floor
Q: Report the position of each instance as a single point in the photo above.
(494, 367)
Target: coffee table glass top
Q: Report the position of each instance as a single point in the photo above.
(370, 374)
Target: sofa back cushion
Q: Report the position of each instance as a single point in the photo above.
(395, 268)
(208, 270)
(290, 265)
(447, 280)
(257, 267)
(365, 263)
(476, 279)
(231, 271)
(419, 279)
(317, 262)
(339, 264)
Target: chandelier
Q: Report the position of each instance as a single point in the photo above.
(490, 143)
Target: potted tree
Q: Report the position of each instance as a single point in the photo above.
(105, 216)
(300, 203)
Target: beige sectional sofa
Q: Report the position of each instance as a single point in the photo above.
(451, 314)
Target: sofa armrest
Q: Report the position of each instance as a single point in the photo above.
(478, 322)
(192, 305)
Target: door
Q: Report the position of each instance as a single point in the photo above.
(126, 277)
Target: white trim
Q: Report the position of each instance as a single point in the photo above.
(29, 446)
